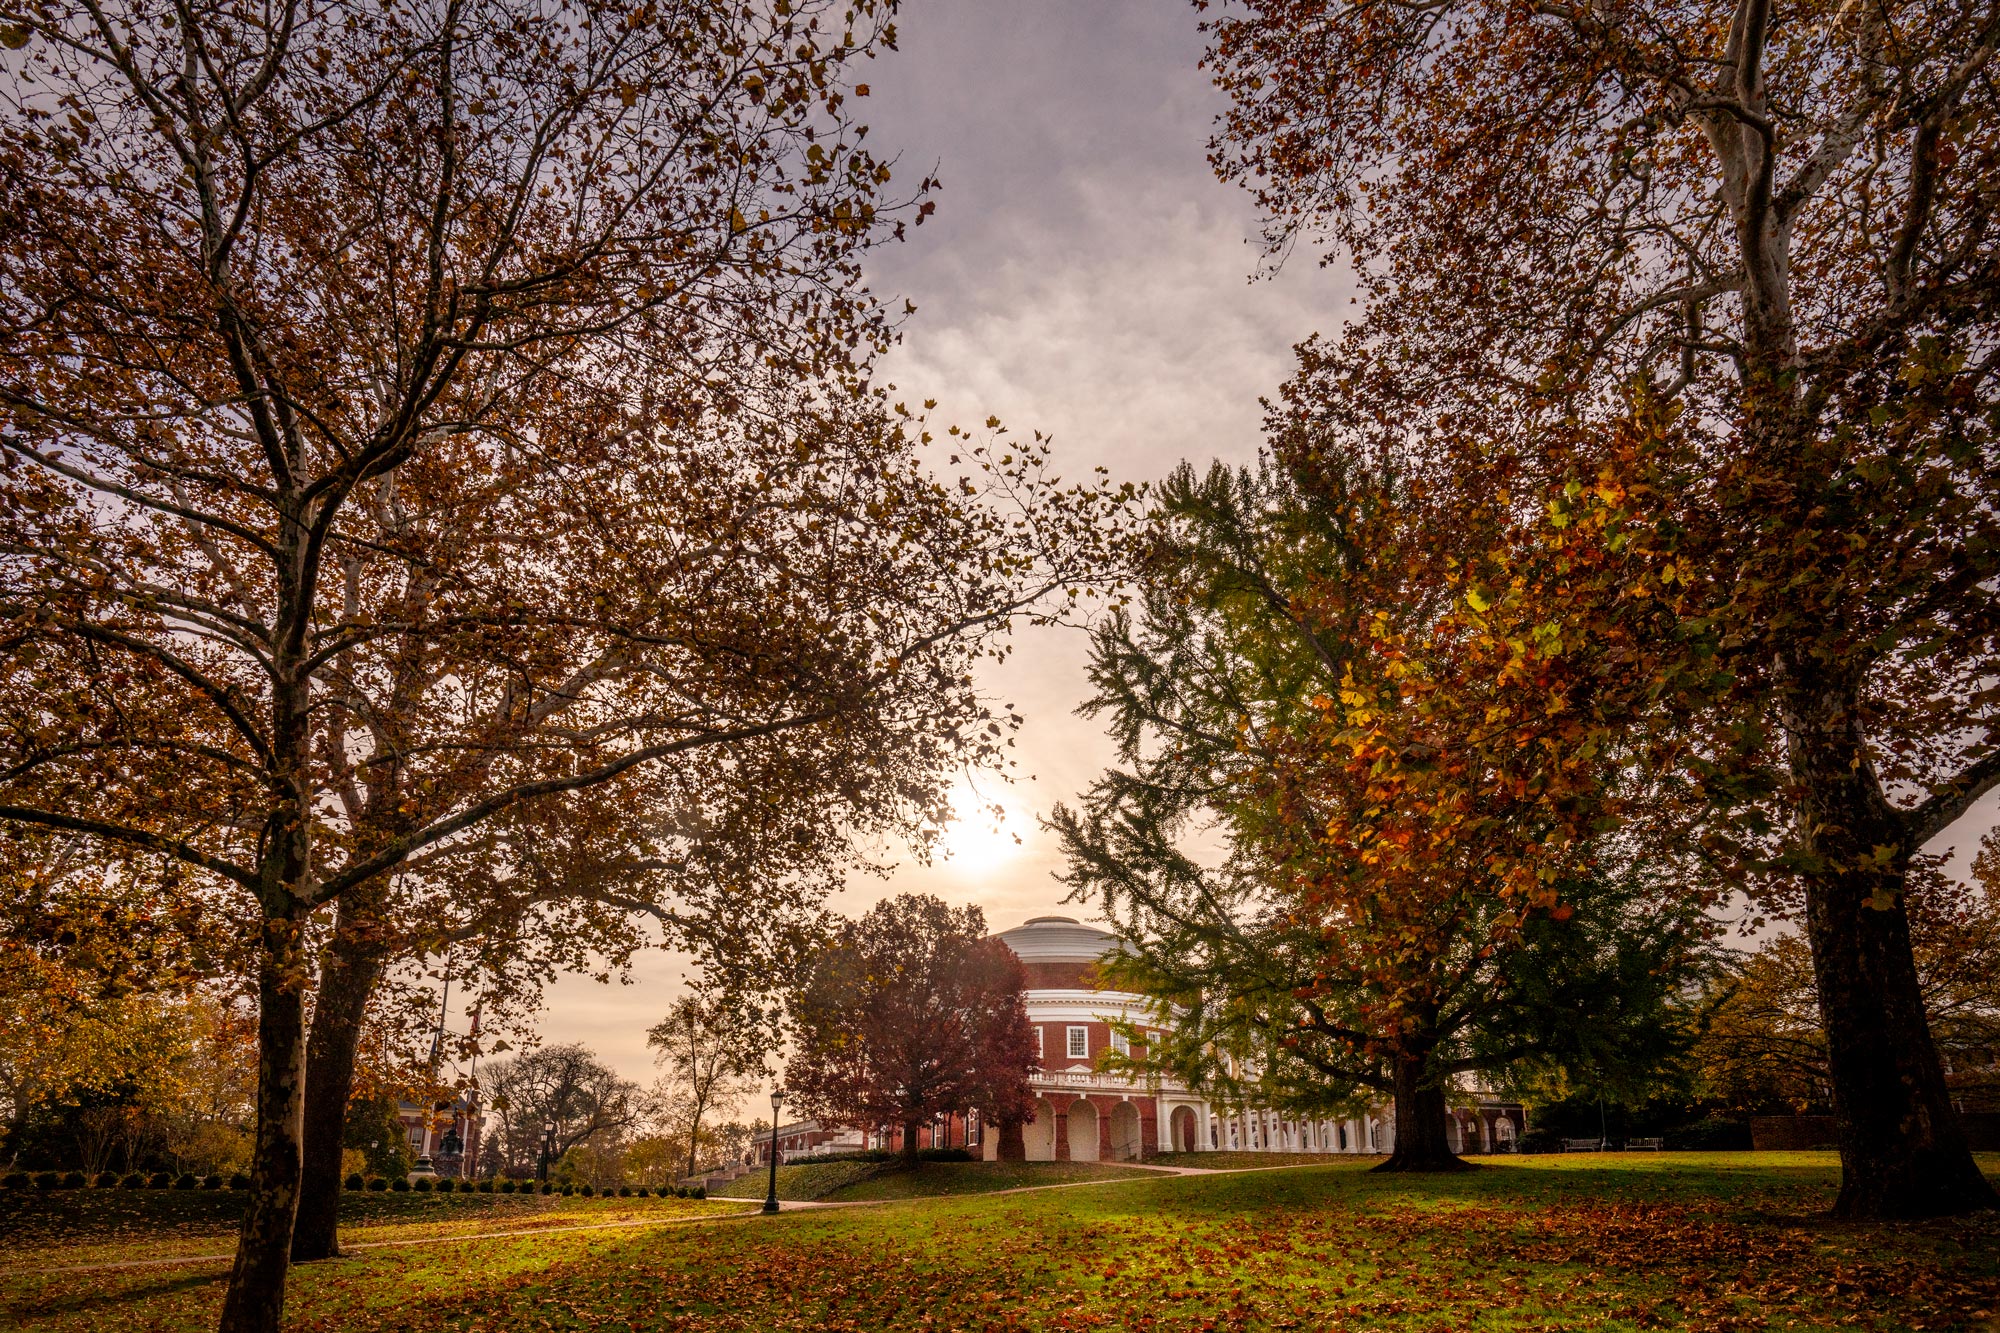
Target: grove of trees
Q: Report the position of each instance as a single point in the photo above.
(440, 432)
(1676, 331)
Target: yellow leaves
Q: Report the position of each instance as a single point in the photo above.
(1477, 600)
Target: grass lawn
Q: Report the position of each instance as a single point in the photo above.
(933, 1179)
(798, 1184)
(66, 1228)
(1713, 1242)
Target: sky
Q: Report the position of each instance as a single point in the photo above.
(1087, 276)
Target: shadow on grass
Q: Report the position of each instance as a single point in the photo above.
(73, 1299)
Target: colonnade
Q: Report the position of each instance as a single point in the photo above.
(1270, 1131)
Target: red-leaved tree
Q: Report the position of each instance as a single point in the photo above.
(913, 1013)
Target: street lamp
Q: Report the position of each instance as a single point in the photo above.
(771, 1199)
(548, 1146)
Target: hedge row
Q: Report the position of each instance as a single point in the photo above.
(427, 1184)
(161, 1180)
(105, 1180)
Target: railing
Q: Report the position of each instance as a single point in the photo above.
(1062, 1078)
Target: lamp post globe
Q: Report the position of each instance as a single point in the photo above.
(771, 1198)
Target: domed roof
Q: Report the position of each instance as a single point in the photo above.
(1059, 939)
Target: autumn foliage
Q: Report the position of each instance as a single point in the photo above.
(913, 1012)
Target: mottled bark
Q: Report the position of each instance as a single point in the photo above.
(910, 1130)
(255, 1302)
(352, 966)
(1902, 1150)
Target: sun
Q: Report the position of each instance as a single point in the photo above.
(977, 839)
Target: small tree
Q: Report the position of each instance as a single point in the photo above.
(713, 1051)
(912, 1013)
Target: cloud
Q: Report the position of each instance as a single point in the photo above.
(1085, 275)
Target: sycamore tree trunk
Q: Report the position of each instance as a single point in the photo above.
(255, 1302)
(352, 966)
(910, 1131)
(1423, 1141)
(1902, 1150)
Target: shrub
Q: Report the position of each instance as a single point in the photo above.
(641, 1192)
(422, 1184)
(239, 1181)
(135, 1181)
(377, 1184)
(586, 1191)
(74, 1180)
(568, 1190)
(624, 1191)
(548, 1188)
(48, 1180)
(401, 1184)
(160, 1180)
(680, 1191)
(15, 1180)
(486, 1186)
(943, 1155)
(106, 1180)
(1715, 1134)
(187, 1180)
(505, 1186)
(211, 1182)
(698, 1192)
(357, 1181)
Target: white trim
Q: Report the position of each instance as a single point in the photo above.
(1075, 1035)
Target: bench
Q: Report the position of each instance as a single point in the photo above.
(1643, 1145)
(1583, 1145)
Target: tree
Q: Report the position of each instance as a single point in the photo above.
(1385, 917)
(549, 1101)
(913, 1012)
(416, 415)
(1763, 1047)
(1778, 220)
(713, 1051)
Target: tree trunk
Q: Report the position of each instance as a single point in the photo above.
(347, 982)
(1013, 1142)
(1422, 1140)
(910, 1129)
(255, 1302)
(1902, 1150)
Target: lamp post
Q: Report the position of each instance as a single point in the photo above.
(548, 1146)
(771, 1199)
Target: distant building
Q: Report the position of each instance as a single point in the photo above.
(445, 1136)
(1086, 1115)
(1083, 1114)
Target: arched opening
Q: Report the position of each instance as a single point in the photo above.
(1183, 1129)
(1125, 1136)
(1083, 1132)
(1039, 1135)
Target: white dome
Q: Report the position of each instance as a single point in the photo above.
(1059, 939)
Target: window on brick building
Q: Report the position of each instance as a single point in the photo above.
(1079, 1043)
(1039, 1052)
(1121, 1043)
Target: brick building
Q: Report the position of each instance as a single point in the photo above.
(1084, 1114)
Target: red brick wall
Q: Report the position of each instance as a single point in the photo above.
(1055, 1044)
